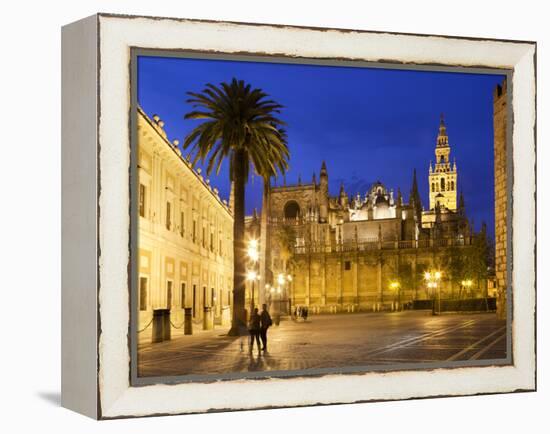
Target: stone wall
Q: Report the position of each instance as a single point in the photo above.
(499, 126)
(361, 280)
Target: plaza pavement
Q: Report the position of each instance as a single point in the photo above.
(329, 341)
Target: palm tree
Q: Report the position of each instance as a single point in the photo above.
(240, 124)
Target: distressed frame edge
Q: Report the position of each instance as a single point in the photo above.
(80, 218)
(417, 397)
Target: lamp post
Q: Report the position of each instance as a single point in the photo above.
(251, 276)
(467, 284)
(253, 255)
(432, 279)
(289, 279)
(395, 286)
(281, 282)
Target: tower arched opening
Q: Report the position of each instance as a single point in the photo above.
(292, 210)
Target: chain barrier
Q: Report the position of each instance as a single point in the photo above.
(145, 328)
(175, 326)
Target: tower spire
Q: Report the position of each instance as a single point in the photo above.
(442, 138)
(323, 169)
(442, 177)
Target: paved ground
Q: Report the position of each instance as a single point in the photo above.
(329, 341)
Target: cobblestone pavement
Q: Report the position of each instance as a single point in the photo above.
(331, 341)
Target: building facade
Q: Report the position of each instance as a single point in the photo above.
(501, 194)
(185, 233)
(370, 251)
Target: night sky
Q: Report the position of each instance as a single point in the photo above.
(368, 124)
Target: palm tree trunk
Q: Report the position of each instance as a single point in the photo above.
(238, 326)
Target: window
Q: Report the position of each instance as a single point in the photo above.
(183, 295)
(141, 200)
(204, 296)
(452, 186)
(143, 293)
(194, 230)
(442, 184)
(213, 297)
(168, 215)
(169, 294)
(211, 241)
(182, 223)
(194, 300)
(433, 187)
(204, 237)
(229, 298)
(347, 265)
(220, 246)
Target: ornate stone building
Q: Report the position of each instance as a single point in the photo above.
(369, 251)
(185, 233)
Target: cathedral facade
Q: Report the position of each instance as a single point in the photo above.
(370, 251)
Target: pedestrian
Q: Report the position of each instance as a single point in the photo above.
(299, 312)
(254, 329)
(304, 313)
(265, 323)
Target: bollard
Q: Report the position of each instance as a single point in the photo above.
(167, 326)
(208, 319)
(158, 326)
(188, 321)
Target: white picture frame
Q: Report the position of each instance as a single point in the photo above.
(96, 354)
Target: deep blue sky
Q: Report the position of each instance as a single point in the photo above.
(368, 124)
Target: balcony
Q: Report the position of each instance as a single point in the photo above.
(369, 244)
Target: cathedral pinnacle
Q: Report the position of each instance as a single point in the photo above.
(323, 169)
(342, 190)
(442, 138)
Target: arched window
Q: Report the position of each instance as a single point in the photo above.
(433, 187)
(452, 186)
(442, 184)
(292, 210)
(442, 159)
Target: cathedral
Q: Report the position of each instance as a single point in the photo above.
(369, 251)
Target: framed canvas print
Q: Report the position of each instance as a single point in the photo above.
(260, 216)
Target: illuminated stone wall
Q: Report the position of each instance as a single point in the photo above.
(499, 126)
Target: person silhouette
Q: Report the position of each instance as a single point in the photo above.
(265, 323)
(254, 329)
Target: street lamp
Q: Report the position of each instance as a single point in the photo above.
(251, 276)
(467, 284)
(254, 256)
(289, 278)
(395, 286)
(432, 279)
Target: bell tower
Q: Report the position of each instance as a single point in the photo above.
(443, 176)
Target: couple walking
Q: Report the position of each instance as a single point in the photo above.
(257, 327)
